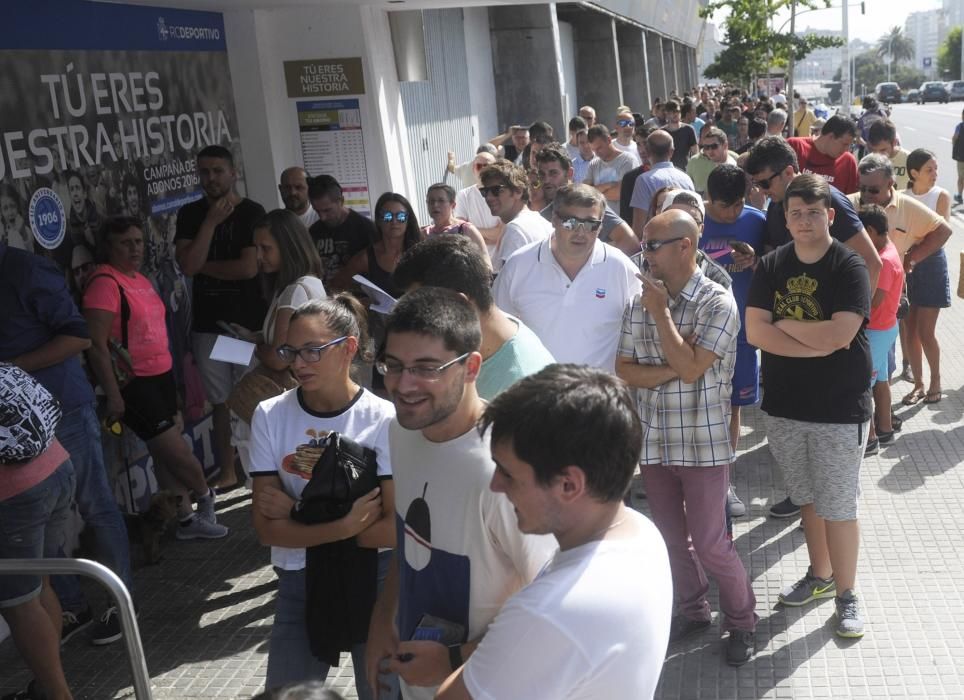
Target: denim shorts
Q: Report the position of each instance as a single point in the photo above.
(33, 525)
(929, 284)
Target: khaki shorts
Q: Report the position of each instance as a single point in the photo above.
(960, 168)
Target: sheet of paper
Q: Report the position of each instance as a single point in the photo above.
(382, 301)
(237, 352)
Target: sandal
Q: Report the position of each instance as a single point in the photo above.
(933, 396)
(914, 397)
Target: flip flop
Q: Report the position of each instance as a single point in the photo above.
(913, 398)
(933, 397)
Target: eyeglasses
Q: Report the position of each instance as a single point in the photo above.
(653, 246)
(399, 216)
(309, 354)
(574, 223)
(625, 122)
(709, 146)
(494, 190)
(869, 190)
(425, 373)
(765, 183)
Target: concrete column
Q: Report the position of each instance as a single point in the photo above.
(654, 62)
(669, 65)
(633, 66)
(525, 62)
(597, 64)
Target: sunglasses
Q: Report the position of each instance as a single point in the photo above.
(764, 184)
(574, 223)
(494, 190)
(399, 216)
(709, 146)
(625, 122)
(653, 246)
(869, 190)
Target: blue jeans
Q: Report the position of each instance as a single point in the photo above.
(79, 433)
(33, 524)
(289, 654)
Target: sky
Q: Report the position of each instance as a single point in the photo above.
(880, 16)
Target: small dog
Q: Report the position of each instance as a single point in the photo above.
(145, 529)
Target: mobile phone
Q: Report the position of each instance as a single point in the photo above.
(741, 247)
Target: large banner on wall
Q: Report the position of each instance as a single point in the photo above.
(103, 109)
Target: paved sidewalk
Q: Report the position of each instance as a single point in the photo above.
(205, 611)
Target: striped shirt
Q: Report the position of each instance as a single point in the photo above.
(687, 425)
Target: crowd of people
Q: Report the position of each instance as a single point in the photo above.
(576, 312)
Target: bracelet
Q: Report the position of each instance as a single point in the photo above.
(455, 656)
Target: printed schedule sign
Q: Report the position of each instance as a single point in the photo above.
(332, 144)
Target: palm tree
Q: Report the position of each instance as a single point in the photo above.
(895, 45)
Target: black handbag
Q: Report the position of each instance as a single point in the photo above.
(344, 472)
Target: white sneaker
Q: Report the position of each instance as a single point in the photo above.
(734, 504)
(199, 528)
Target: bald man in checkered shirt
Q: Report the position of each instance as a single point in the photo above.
(678, 349)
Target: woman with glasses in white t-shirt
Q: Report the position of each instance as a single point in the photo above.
(323, 337)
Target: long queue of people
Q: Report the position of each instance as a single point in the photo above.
(573, 313)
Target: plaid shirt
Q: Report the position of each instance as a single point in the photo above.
(687, 424)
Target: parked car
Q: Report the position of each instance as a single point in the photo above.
(933, 91)
(887, 93)
(955, 90)
(912, 95)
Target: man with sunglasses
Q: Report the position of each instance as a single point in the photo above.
(460, 555)
(505, 188)
(678, 348)
(714, 150)
(571, 289)
(625, 126)
(555, 171)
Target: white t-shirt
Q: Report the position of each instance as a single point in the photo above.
(283, 433)
(309, 217)
(577, 320)
(594, 624)
(291, 297)
(527, 227)
(470, 205)
(631, 149)
(460, 553)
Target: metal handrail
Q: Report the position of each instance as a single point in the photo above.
(117, 589)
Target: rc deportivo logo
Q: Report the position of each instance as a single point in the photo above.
(600, 293)
(47, 219)
(162, 32)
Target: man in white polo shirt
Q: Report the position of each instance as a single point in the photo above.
(506, 190)
(571, 289)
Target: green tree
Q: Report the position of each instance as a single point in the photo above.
(895, 45)
(750, 41)
(949, 55)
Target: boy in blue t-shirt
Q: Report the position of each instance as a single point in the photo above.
(731, 226)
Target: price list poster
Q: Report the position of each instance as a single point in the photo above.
(332, 140)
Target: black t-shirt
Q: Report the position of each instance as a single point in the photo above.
(337, 244)
(831, 389)
(684, 139)
(213, 300)
(626, 193)
(846, 223)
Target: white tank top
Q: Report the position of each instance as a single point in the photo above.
(929, 198)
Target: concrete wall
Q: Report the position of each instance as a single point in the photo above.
(597, 64)
(478, 54)
(527, 65)
(567, 56)
(633, 67)
(657, 75)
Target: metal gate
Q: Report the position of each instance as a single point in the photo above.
(438, 111)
